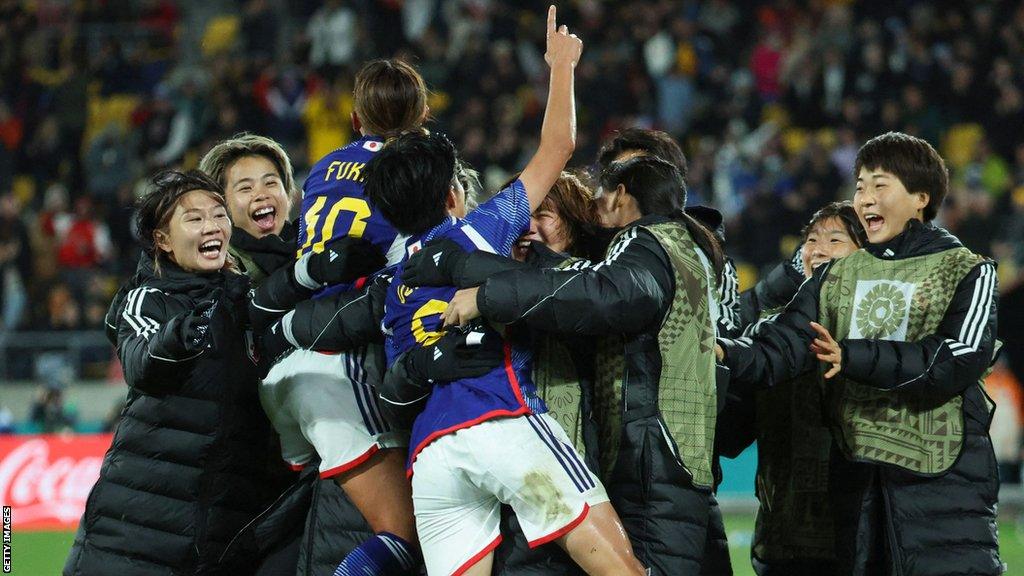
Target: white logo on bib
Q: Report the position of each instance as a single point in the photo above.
(881, 309)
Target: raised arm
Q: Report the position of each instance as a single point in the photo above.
(342, 261)
(334, 323)
(558, 133)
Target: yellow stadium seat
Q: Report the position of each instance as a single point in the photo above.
(959, 144)
(827, 138)
(746, 274)
(794, 140)
(775, 112)
(787, 245)
(221, 34)
(24, 188)
(116, 109)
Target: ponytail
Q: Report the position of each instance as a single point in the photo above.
(707, 242)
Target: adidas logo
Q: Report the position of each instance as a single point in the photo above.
(334, 256)
(437, 259)
(437, 354)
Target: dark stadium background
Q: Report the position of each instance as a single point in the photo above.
(769, 99)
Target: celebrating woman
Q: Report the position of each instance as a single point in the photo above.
(188, 466)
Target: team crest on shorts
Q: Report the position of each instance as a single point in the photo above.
(881, 309)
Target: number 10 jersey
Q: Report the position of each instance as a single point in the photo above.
(334, 204)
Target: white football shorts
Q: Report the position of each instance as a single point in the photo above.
(461, 479)
(325, 404)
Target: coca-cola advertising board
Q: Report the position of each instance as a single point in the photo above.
(46, 479)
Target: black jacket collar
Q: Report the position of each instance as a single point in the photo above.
(269, 252)
(917, 239)
(174, 280)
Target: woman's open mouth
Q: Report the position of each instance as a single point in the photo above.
(874, 222)
(211, 249)
(265, 218)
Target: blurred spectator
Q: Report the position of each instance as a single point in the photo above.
(61, 311)
(167, 129)
(333, 34)
(83, 240)
(283, 95)
(112, 162)
(48, 412)
(11, 133)
(83, 246)
(15, 264)
(328, 119)
(45, 152)
(114, 72)
(259, 30)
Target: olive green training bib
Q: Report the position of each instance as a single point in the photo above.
(686, 393)
(866, 297)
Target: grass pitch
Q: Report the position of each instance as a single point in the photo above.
(43, 553)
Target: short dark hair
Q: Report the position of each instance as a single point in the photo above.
(846, 214)
(913, 160)
(156, 206)
(409, 179)
(653, 142)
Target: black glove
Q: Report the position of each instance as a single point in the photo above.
(343, 260)
(438, 263)
(189, 333)
(463, 352)
(274, 345)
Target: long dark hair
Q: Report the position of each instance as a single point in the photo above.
(659, 189)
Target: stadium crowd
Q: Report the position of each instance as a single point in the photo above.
(769, 103)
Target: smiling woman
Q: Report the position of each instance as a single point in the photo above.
(256, 176)
(196, 233)
(174, 488)
(185, 221)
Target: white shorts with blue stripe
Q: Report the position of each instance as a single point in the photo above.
(461, 479)
(326, 405)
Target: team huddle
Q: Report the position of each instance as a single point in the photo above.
(542, 383)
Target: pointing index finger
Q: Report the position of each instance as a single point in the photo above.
(551, 19)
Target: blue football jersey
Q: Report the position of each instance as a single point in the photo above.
(413, 318)
(334, 204)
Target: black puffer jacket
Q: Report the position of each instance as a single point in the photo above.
(192, 460)
(629, 293)
(735, 430)
(773, 291)
(920, 526)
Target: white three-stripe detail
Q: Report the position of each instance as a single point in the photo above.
(619, 248)
(981, 303)
(132, 313)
